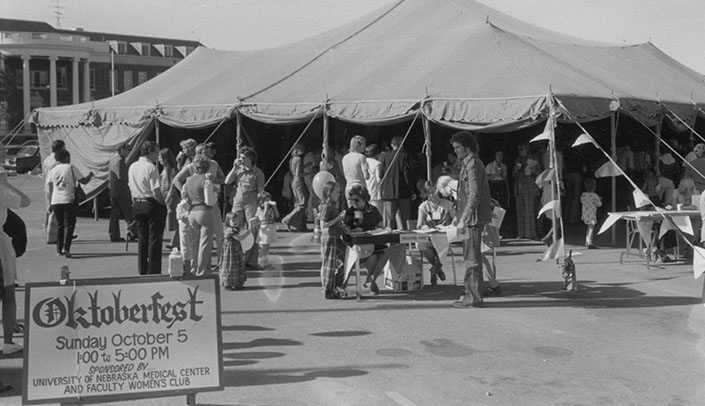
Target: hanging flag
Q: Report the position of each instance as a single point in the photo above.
(684, 223)
(553, 205)
(640, 199)
(644, 226)
(544, 136)
(698, 261)
(545, 177)
(553, 251)
(666, 226)
(584, 139)
(611, 219)
(608, 169)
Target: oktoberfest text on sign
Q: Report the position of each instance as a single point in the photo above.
(124, 338)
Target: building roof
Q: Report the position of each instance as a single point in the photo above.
(7, 24)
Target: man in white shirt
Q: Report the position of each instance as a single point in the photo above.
(148, 209)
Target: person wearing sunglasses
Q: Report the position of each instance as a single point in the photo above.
(362, 216)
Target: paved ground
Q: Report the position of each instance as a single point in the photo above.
(629, 336)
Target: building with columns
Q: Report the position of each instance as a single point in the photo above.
(49, 67)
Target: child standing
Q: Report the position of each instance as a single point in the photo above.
(232, 266)
(267, 214)
(590, 201)
(332, 246)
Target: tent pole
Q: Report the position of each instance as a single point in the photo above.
(326, 133)
(613, 147)
(427, 146)
(156, 129)
(238, 130)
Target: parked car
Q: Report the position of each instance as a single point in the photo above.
(24, 160)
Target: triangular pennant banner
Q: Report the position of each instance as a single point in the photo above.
(545, 177)
(698, 261)
(552, 205)
(544, 136)
(666, 225)
(553, 251)
(441, 244)
(611, 219)
(583, 139)
(640, 199)
(645, 226)
(684, 223)
(608, 169)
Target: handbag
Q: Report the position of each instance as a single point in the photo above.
(17, 230)
(79, 196)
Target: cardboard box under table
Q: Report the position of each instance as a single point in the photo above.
(396, 254)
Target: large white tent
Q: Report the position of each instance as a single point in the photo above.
(456, 63)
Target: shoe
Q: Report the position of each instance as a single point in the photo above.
(119, 239)
(11, 348)
(460, 304)
(496, 291)
(171, 247)
(374, 288)
(60, 254)
(67, 254)
(434, 281)
(288, 227)
(229, 288)
(73, 237)
(253, 267)
(591, 247)
(440, 274)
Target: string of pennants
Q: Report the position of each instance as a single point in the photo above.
(550, 178)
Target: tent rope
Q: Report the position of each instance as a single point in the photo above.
(599, 148)
(15, 130)
(286, 157)
(686, 124)
(325, 51)
(401, 146)
(216, 129)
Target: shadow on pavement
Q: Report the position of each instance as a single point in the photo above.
(260, 342)
(274, 377)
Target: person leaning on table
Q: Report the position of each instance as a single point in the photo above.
(473, 212)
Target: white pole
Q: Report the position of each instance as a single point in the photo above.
(112, 72)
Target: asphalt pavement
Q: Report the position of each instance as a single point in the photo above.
(630, 335)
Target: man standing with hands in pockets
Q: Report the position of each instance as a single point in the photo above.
(473, 210)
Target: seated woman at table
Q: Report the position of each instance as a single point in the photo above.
(659, 190)
(432, 214)
(362, 216)
(684, 194)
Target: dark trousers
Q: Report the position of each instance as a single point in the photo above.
(151, 218)
(119, 205)
(66, 224)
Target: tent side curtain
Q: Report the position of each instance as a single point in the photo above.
(486, 115)
(92, 117)
(92, 146)
(194, 117)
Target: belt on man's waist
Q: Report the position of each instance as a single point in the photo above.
(496, 181)
(144, 199)
(200, 206)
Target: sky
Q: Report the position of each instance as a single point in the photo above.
(677, 27)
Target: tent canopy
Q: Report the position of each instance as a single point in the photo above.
(457, 62)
